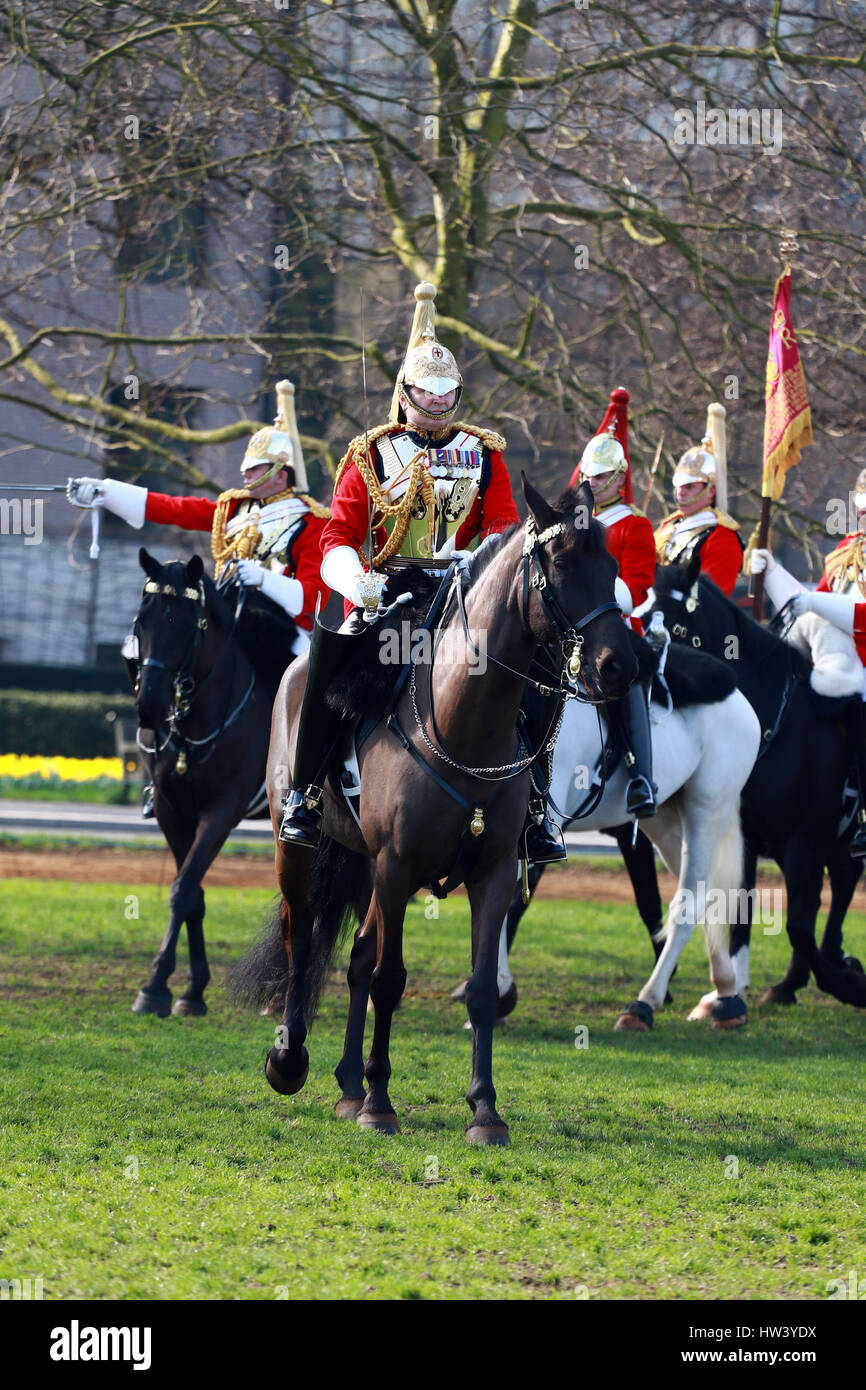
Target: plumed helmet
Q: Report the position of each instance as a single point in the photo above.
(707, 462)
(427, 363)
(278, 445)
(603, 454)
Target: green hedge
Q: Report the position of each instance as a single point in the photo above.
(61, 725)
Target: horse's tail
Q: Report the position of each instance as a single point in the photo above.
(339, 892)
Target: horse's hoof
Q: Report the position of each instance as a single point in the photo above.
(488, 1134)
(730, 1012)
(382, 1121)
(636, 1017)
(288, 1080)
(458, 995)
(778, 994)
(702, 1010)
(347, 1107)
(159, 1004)
(507, 1001)
(189, 1008)
(852, 963)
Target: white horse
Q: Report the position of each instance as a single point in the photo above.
(702, 757)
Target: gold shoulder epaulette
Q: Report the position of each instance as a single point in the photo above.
(635, 509)
(489, 438)
(724, 520)
(355, 451)
(316, 508)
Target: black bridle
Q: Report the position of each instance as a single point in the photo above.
(184, 688)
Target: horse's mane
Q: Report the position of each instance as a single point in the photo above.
(487, 552)
(735, 621)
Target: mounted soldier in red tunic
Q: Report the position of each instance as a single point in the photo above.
(422, 487)
(840, 600)
(701, 523)
(269, 530)
(605, 466)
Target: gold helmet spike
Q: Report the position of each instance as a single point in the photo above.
(278, 444)
(427, 363)
(603, 454)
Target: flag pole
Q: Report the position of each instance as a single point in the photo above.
(788, 248)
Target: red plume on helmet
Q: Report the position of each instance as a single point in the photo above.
(616, 415)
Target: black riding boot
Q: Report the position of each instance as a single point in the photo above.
(632, 717)
(541, 840)
(857, 843)
(318, 727)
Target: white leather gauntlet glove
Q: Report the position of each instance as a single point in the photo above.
(343, 571)
(622, 594)
(288, 593)
(779, 585)
(124, 499)
(837, 609)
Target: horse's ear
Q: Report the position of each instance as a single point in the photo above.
(693, 569)
(150, 565)
(194, 569)
(541, 510)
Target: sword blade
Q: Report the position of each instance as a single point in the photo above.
(32, 487)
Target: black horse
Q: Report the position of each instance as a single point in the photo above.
(792, 803)
(210, 665)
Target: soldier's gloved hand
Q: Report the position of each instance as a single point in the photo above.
(250, 574)
(762, 561)
(85, 492)
(837, 609)
(367, 591)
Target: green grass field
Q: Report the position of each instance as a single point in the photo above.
(149, 1159)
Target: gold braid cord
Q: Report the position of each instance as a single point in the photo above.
(846, 563)
(419, 482)
(243, 542)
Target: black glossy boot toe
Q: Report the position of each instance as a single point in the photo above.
(302, 822)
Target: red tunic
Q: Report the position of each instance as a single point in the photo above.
(631, 542)
(722, 558)
(492, 511)
(859, 608)
(305, 557)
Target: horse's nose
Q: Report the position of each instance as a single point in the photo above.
(612, 673)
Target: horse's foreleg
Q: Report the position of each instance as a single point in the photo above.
(639, 860)
(387, 982)
(186, 901)
(288, 1061)
(804, 872)
(844, 876)
(350, 1069)
(154, 997)
(488, 900)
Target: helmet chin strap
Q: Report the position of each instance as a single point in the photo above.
(701, 499)
(440, 417)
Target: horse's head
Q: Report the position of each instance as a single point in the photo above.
(170, 624)
(572, 590)
(681, 599)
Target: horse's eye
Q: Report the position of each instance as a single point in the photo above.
(560, 562)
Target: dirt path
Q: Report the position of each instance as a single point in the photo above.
(599, 884)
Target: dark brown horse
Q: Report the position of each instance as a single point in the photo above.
(209, 672)
(546, 588)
